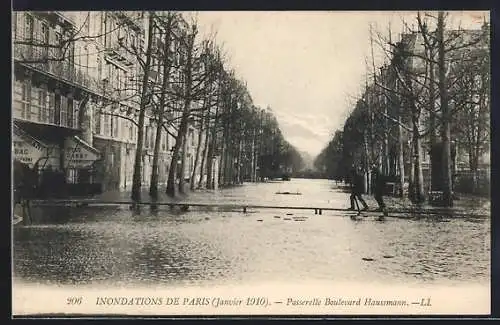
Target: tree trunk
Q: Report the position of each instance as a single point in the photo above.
(418, 179)
(205, 151)
(367, 187)
(446, 132)
(253, 165)
(210, 154)
(473, 166)
(230, 163)
(153, 186)
(172, 171)
(239, 163)
(183, 127)
(197, 157)
(401, 160)
(145, 99)
(432, 126)
(213, 144)
(411, 177)
(222, 164)
(386, 159)
(183, 157)
(223, 171)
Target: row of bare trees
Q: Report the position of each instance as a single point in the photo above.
(432, 95)
(208, 96)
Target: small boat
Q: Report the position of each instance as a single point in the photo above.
(289, 193)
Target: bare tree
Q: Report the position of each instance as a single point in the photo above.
(190, 91)
(145, 100)
(165, 56)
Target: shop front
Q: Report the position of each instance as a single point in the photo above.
(53, 168)
(79, 165)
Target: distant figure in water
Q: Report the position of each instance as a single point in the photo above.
(357, 189)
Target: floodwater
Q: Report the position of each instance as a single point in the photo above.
(119, 247)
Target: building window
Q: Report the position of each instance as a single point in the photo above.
(18, 95)
(113, 33)
(59, 49)
(89, 21)
(70, 61)
(191, 163)
(63, 118)
(152, 136)
(97, 123)
(28, 30)
(130, 130)
(96, 23)
(115, 127)
(51, 107)
(132, 40)
(19, 26)
(146, 137)
(72, 176)
(99, 68)
(42, 105)
(86, 61)
(118, 82)
(26, 100)
(69, 122)
(34, 107)
(76, 114)
(45, 39)
(107, 125)
(107, 30)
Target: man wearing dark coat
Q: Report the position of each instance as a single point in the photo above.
(357, 189)
(378, 181)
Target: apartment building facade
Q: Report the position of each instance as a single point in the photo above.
(49, 98)
(77, 82)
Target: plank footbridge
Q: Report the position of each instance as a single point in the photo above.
(244, 207)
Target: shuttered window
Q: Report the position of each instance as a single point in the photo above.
(26, 100)
(69, 121)
(63, 119)
(51, 108)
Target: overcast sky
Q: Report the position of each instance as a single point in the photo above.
(307, 66)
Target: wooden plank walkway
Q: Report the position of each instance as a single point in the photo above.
(244, 207)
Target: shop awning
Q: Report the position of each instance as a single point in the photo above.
(79, 154)
(26, 148)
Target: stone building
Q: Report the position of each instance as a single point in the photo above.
(50, 96)
(76, 95)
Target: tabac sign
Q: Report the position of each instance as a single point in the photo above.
(27, 149)
(78, 154)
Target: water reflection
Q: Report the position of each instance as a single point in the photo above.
(123, 247)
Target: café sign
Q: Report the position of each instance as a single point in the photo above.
(27, 149)
(77, 154)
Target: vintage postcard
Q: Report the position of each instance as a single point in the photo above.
(251, 163)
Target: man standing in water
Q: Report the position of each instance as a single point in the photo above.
(357, 189)
(378, 181)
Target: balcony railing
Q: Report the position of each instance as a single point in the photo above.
(132, 18)
(60, 69)
(120, 56)
(59, 18)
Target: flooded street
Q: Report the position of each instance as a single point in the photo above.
(114, 246)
